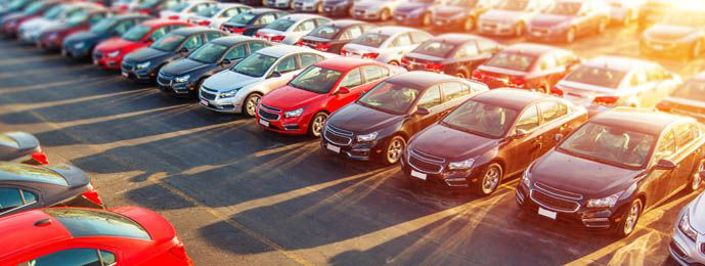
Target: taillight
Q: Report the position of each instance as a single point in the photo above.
(299, 43)
(517, 81)
(236, 30)
(343, 52)
(92, 195)
(323, 46)
(179, 250)
(664, 107)
(404, 61)
(40, 157)
(606, 100)
(556, 91)
(434, 66)
(477, 74)
(370, 55)
(257, 35)
(277, 38)
(204, 23)
(173, 17)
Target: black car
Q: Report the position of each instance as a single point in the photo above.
(81, 44)
(337, 8)
(415, 12)
(21, 147)
(212, 57)
(250, 22)
(453, 54)
(379, 124)
(459, 14)
(24, 187)
(144, 64)
(334, 35)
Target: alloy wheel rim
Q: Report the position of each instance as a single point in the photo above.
(631, 219)
(394, 151)
(252, 104)
(317, 125)
(491, 180)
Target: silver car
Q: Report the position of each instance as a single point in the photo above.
(308, 6)
(511, 17)
(688, 238)
(385, 44)
(215, 16)
(607, 82)
(289, 29)
(374, 9)
(239, 89)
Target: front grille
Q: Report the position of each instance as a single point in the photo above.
(554, 199)
(338, 136)
(164, 80)
(207, 95)
(425, 162)
(267, 115)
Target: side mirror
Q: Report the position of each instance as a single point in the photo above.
(275, 74)
(422, 111)
(226, 62)
(558, 137)
(519, 133)
(343, 90)
(183, 50)
(665, 164)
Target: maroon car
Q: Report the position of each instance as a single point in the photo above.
(613, 168)
(528, 66)
(53, 37)
(493, 135)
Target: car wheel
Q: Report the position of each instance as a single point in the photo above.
(469, 24)
(490, 179)
(695, 180)
(519, 29)
(426, 19)
(251, 103)
(462, 73)
(697, 48)
(570, 35)
(395, 147)
(384, 15)
(603, 25)
(394, 63)
(631, 218)
(317, 123)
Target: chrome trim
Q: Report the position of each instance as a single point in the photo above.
(558, 192)
(261, 110)
(531, 196)
(338, 132)
(421, 156)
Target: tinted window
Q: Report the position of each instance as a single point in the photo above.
(169, 42)
(666, 147)
(371, 39)
(529, 119)
(211, 35)
(374, 72)
(73, 257)
(107, 258)
(255, 46)
(310, 59)
(286, 65)
(136, 33)
(431, 98)
(481, 119)
(435, 48)
(513, 61)
(610, 145)
(265, 19)
(454, 90)
(598, 76)
(157, 34)
(209, 53)
(255, 65)
(325, 32)
(281, 24)
(552, 110)
(402, 40)
(352, 79)
(29, 197)
(87, 223)
(684, 135)
(124, 26)
(237, 53)
(10, 198)
(316, 79)
(306, 26)
(389, 97)
(194, 42)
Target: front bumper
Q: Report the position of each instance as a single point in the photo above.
(278, 4)
(409, 19)
(106, 62)
(336, 10)
(282, 125)
(210, 100)
(546, 34)
(365, 14)
(169, 86)
(685, 251)
(72, 51)
(305, 6)
(130, 71)
(356, 151)
(496, 29)
(443, 180)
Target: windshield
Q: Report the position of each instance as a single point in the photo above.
(169, 42)
(91, 223)
(325, 32)
(435, 48)
(688, 19)
(179, 7)
(136, 33)
(565, 9)
(692, 90)
(514, 5)
(316, 79)
(280, 24)
(255, 65)
(208, 53)
(77, 18)
(371, 39)
(598, 76)
(513, 61)
(482, 119)
(243, 18)
(390, 98)
(103, 26)
(208, 12)
(53, 12)
(611, 145)
(33, 8)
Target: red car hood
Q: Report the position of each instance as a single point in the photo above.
(289, 98)
(117, 43)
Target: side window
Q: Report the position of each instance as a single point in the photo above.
(354, 32)
(230, 13)
(236, 53)
(529, 119)
(10, 198)
(684, 135)
(124, 26)
(211, 35)
(418, 37)
(468, 50)
(352, 79)
(310, 59)
(552, 110)
(306, 26)
(286, 65)
(76, 256)
(255, 46)
(666, 146)
(431, 98)
(373, 73)
(402, 40)
(194, 42)
(345, 36)
(454, 90)
(107, 258)
(157, 34)
(320, 21)
(265, 19)
(486, 46)
(548, 62)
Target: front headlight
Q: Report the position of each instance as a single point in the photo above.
(368, 137)
(79, 45)
(526, 178)
(228, 94)
(182, 79)
(294, 113)
(143, 65)
(462, 165)
(606, 202)
(685, 227)
(114, 54)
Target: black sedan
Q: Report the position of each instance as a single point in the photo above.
(211, 58)
(21, 147)
(24, 187)
(333, 36)
(453, 54)
(382, 121)
(144, 64)
(250, 22)
(81, 44)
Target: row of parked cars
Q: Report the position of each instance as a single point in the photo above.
(455, 111)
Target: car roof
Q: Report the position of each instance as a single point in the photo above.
(344, 64)
(515, 99)
(160, 22)
(618, 63)
(457, 38)
(229, 5)
(282, 50)
(420, 79)
(639, 119)
(19, 232)
(391, 30)
(21, 172)
(342, 23)
(263, 10)
(192, 30)
(233, 39)
(530, 48)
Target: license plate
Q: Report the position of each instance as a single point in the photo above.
(333, 148)
(204, 102)
(95, 62)
(419, 175)
(124, 74)
(547, 213)
(264, 122)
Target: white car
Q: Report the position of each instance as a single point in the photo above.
(610, 81)
(30, 30)
(217, 15)
(625, 11)
(184, 10)
(511, 17)
(689, 232)
(386, 44)
(289, 29)
(315, 6)
(239, 88)
(374, 9)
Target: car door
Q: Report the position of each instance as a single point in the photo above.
(372, 74)
(687, 148)
(432, 101)
(353, 81)
(554, 122)
(657, 180)
(521, 151)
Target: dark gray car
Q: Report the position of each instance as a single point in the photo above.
(21, 147)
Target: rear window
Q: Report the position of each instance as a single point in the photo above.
(597, 76)
(513, 61)
(89, 223)
(280, 24)
(23, 172)
(371, 39)
(435, 48)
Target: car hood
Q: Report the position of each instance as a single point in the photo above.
(289, 98)
(503, 15)
(361, 119)
(411, 7)
(452, 144)
(549, 20)
(697, 213)
(229, 80)
(73, 175)
(146, 54)
(184, 66)
(582, 176)
(669, 32)
(115, 43)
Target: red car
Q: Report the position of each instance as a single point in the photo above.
(109, 53)
(303, 105)
(78, 236)
(528, 66)
(53, 37)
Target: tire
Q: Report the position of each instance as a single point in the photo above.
(570, 35)
(393, 62)
(695, 180)
(631, 219)
(519, 29)
(384, 15)
(315, 128)
(491, 179)
(426, 20)
(249, 108)
(696, 49)
(393, 151)
(469, 24)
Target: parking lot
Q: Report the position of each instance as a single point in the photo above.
(240, 196)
